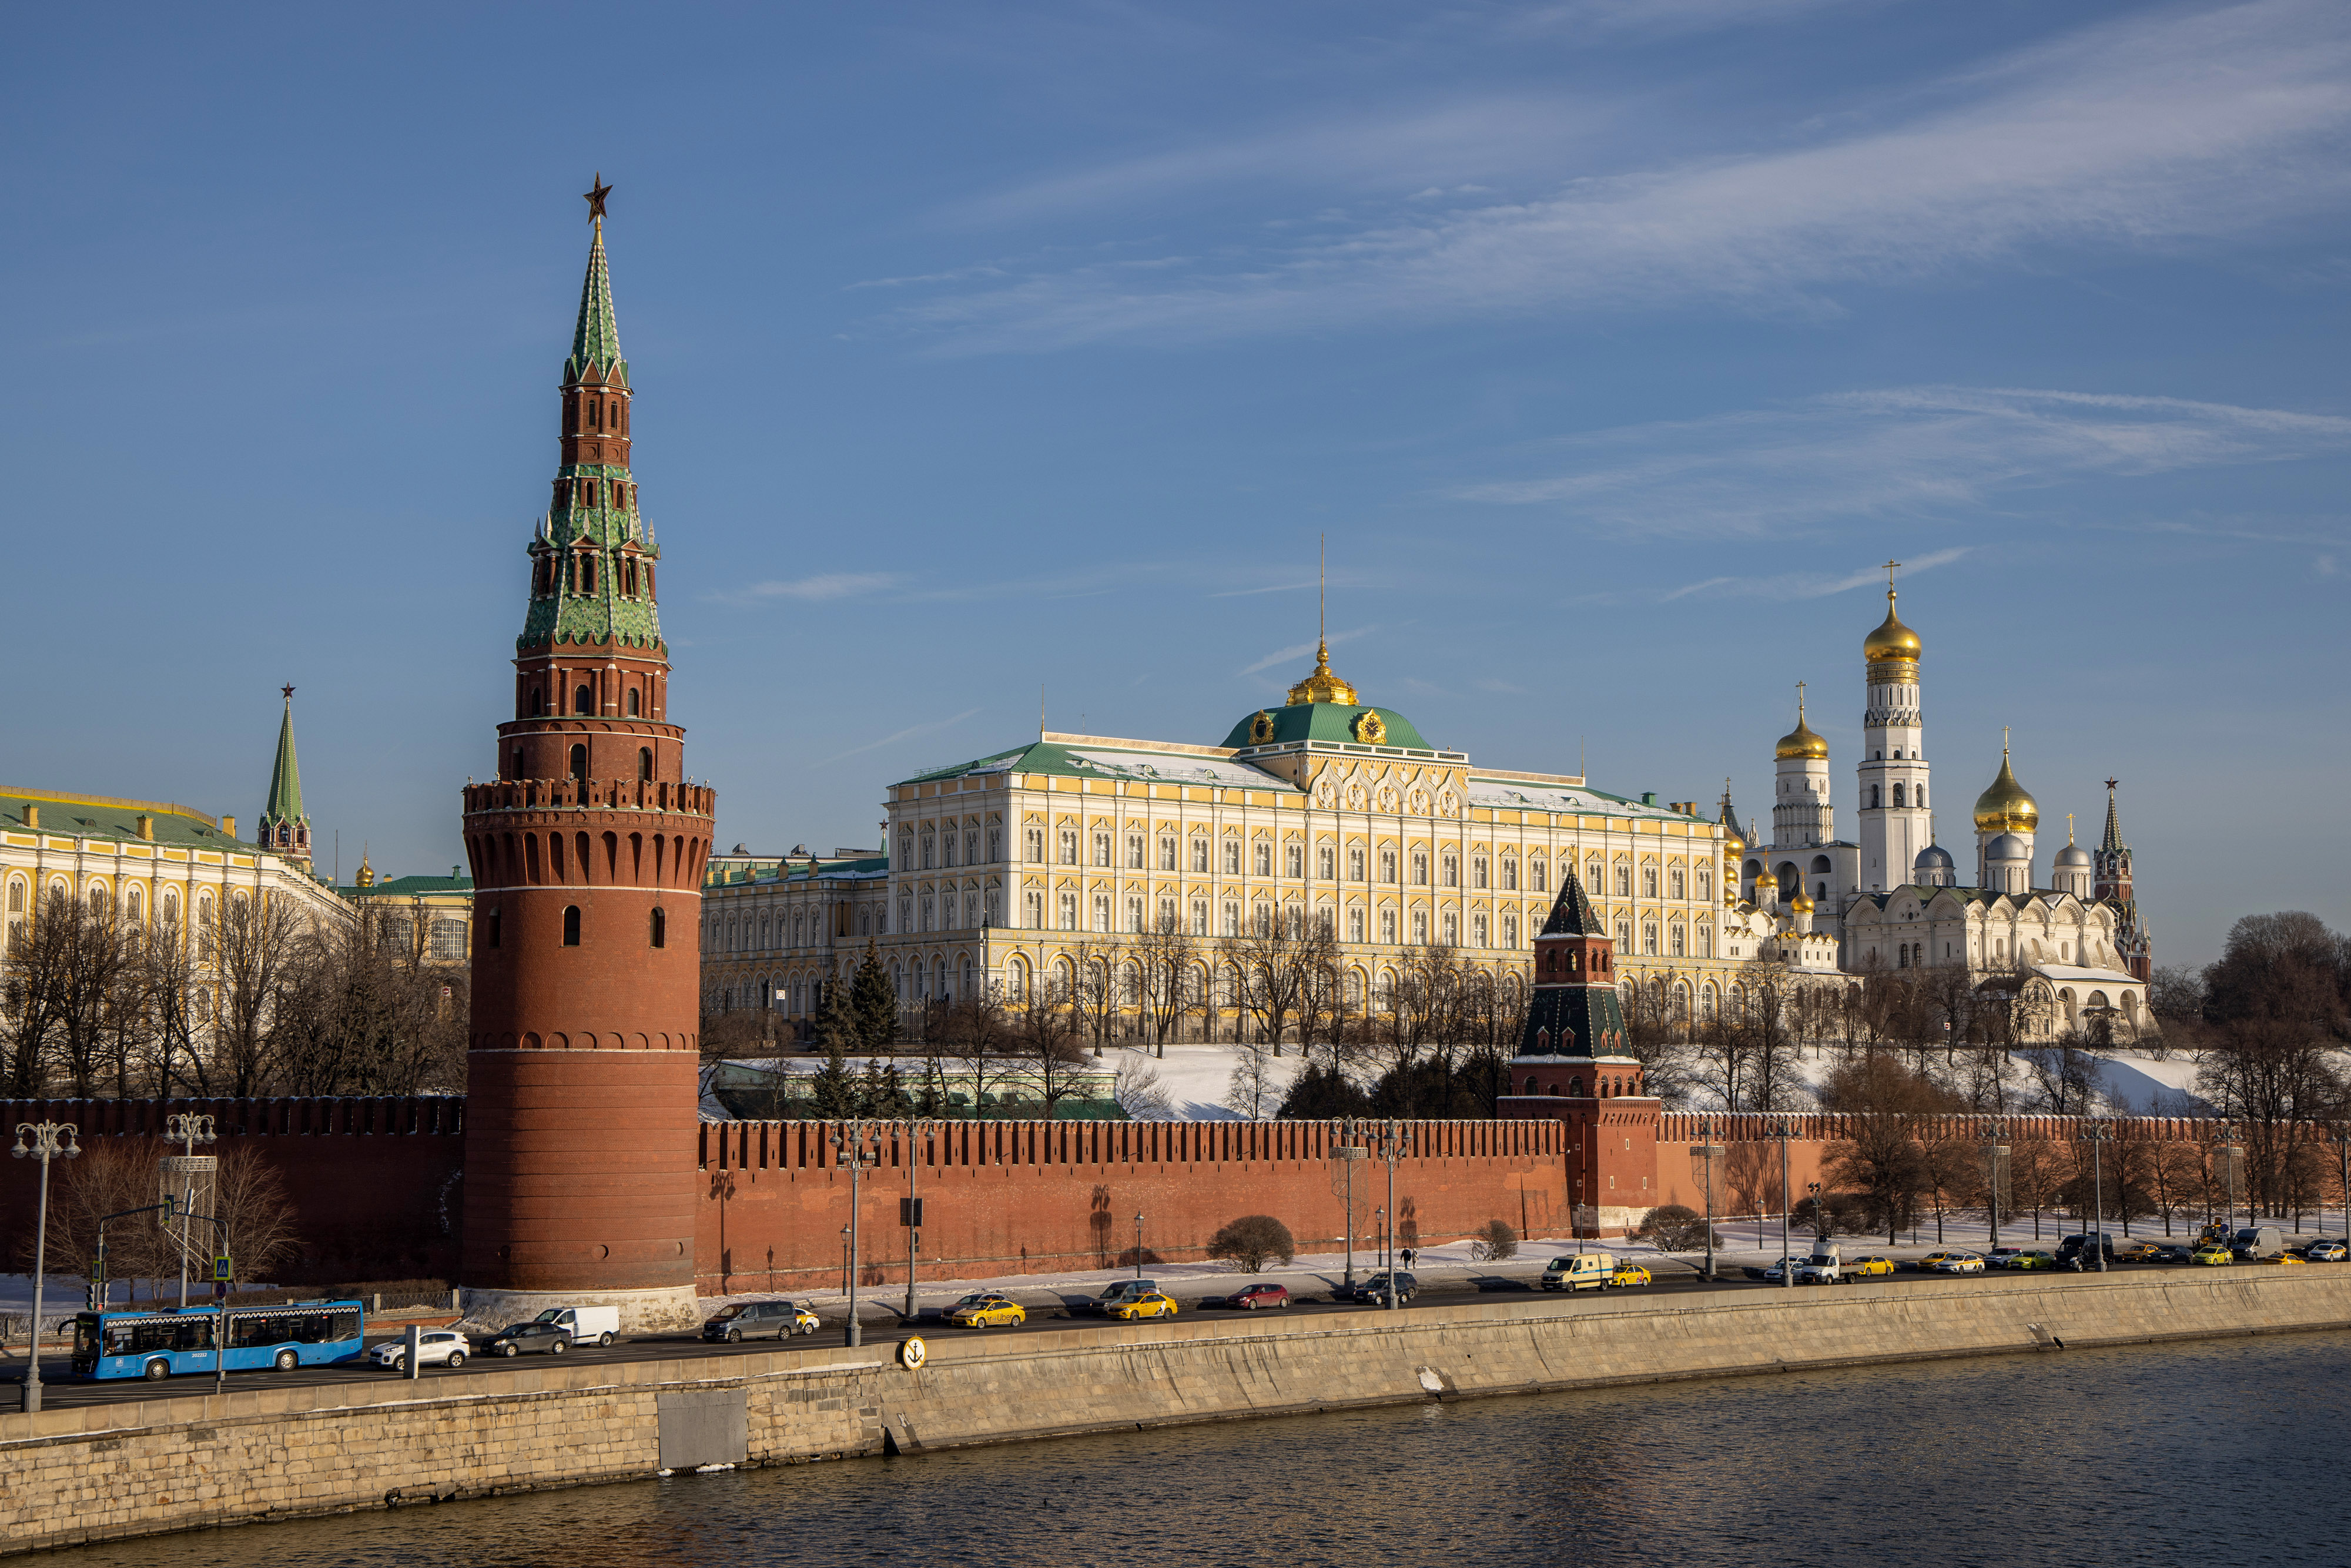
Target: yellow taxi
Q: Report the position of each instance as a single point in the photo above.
(1628, 1275)
(987, 1310)
(2285, 1257)
(1154, 1305)
(2213, 1255)
(1870, 1268)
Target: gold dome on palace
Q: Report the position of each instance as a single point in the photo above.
(2005, 807)
(1892, 639)
(1323, 687)
(1801, 742)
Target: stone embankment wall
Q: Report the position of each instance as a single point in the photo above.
(112, 1471)
(1012, 1198)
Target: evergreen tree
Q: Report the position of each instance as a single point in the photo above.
(836, 1092)
(873, 1003)
(883, 1093)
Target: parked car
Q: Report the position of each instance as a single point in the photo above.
(1154, 1305)
(1874, 1267)
(1630, 1275)
(1375, 1288)
(2214, 1255)
(1255, 1298)
(1120, 1291)
(2326, 1250)
(586, 1325)
(2257, 1241)
(1580, 1271)
(533, 1338)
(758, 1320)
(987, 1310)
(434, 1347)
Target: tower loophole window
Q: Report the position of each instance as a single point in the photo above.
(583, 701)
(632, 709)
(538, 702)
(579, 764)
(572, 926)
(645, 769)
(490, 929)
(660, 927)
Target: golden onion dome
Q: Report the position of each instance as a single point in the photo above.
(1765, 879)
(2005, 807)
(1802, 741)
(1892, 639)
(1801, 904)
(1733, 846)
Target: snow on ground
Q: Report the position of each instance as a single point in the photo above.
(1197, 1078)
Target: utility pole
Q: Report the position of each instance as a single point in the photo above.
(1995, 1175)
(849, 1144)
(49, 1140)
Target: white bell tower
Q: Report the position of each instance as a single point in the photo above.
(1894, 775)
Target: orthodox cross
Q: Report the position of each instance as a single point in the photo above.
(1800, 702)
(1891, 567)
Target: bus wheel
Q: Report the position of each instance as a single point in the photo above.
(158, 1370)
(288, 1360)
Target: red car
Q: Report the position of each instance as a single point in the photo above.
(1249, 1298)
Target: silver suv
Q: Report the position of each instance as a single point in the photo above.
(434, 1347)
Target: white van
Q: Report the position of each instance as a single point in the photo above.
(587, 1325)
(1580, 1271)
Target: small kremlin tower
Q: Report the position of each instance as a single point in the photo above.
(2113, 883)
(1571, 1066)
(284, 826)
(587, 852)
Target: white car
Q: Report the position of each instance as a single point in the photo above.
(1780, 1270)
(434, 1347)
(1959, 1263)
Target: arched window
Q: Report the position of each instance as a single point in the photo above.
(579, 763)
(538, 702)
(16, 896)
(660, 927)
(633, 701)
(583, 701)
(1575, 1086)
(1873, 797)
(134, 905)
(572, 926)
(1531, 1083)
(1897, 794)
(645, 763)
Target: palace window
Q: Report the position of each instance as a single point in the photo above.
(1354, 865)
(1420, 927)
(1069, 847)
(1033, 909)
(1068, 912)
(1264, 858)
(946, 846)
(1509, 874)
(1677, 941)
(1166, 852)
(971, 847)
(1200, 854)
(1232, 857)
(1134, 851)
(1101, 849)
(1199, 917)
(1678, 885)
(995, 844)
(1649, 882)
(1326, 862)
(1706, 885)
(1449, 867)
(1101, 912)
(1509, 930)
(1232, 917)
(1420, 868)
(1293, 860)
(1035, 845)
(1388, 867)
(1262, 920)
(1166, 916)
(930, 911)
(1388, 926)
(1354, 926)
(1478, 930)
(1624, 881)
(1451, 925)
(1134, 914)
(1478, 872)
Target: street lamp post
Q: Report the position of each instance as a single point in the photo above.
(2343, 1154)
(1820, 1217)
(1391, 1146)
(1347, 1153)
(917, 1130)
(49, 1140)
(1379, 1238)
(844, 1259)
(2231, 1169)
(187, 1128)
(1995, 1176)
(1138, 1247)
(2097, 1135)
(1783, 1130)
(850, 1142)
(1706, 1150)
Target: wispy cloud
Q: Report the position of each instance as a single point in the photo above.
(1913, 451)
(893, 738)
(1304, 650)
(2163, 130)
(1269, 588)
(1808, 585)
(824, 585)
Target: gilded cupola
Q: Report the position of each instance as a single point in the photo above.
(1323, 687)
(1802, 741)
(2005, 807)
(1891, 644)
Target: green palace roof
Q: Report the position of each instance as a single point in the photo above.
(1335, 722)
(108, 817)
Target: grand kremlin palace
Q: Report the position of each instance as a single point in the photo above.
(1322, 812)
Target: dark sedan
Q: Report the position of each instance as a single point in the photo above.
(1375, 1288)
(528, 1339)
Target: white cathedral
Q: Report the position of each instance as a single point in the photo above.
(2072, 950)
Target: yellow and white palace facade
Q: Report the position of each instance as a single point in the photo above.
(1005, 873)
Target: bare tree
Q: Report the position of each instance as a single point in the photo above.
(1255, 1088)
(1165, 956)
(257, 942)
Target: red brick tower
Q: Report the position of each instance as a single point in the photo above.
(1570, 1067)
(587, 854)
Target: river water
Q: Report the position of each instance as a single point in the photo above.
(2217, 1453)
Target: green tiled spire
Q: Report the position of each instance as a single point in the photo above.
(284, 826)
(596, 341)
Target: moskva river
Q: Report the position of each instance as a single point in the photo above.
(2220, 1453)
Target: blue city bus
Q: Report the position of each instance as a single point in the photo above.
(156, 1344)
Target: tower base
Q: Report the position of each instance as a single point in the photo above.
(667, 1308)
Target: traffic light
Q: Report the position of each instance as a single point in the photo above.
(170, 1204)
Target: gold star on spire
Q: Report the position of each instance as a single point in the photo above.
(595, 199)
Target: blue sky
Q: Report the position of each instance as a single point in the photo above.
(981, 348)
